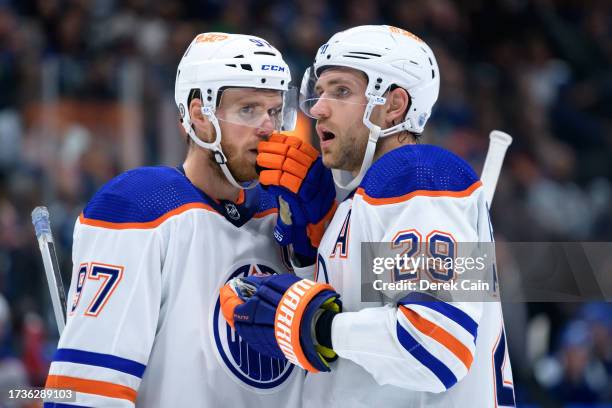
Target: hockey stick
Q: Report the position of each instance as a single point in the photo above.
(498, 144)
(42, 226)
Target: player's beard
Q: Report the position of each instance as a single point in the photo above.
(238, 165)
(348, 150)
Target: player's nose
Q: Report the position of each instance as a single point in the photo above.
(266, 128)
(320, 109)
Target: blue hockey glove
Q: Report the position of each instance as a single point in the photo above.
(284, 316)
(293, 172)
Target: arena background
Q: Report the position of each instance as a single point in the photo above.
(86, 92)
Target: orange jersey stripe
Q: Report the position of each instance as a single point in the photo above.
(143, 225)
(266, 212)
(240, 199)
(155, 223)
(418, 193)
(103, 388)
(440, 335)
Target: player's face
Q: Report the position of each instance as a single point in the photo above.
(339, 113)
(246, 117)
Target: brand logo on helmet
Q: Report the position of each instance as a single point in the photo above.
(422, 119)
(404, 32)
(211, 37)
(207, 111)
(182, 110)
(277, 68)
(377, 100)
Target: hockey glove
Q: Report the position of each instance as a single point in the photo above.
(294, 173)
(284, 316)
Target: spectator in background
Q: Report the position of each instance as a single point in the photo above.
(573, 375)
(12, 372)
(541, 70)
(598, 316)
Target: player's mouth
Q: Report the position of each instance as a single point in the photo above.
(326, 136)
(252, 151)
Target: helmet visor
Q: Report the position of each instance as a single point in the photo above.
(316, 94)
(258, 108)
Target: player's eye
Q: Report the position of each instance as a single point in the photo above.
(247, 110)
(275, 111)
(342, 92)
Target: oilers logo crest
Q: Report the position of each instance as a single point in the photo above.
(243, 363)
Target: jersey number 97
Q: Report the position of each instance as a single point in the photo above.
(109, 275)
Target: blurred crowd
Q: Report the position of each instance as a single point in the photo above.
(86, 91)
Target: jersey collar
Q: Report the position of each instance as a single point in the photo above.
(237, 214)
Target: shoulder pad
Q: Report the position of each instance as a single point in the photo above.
(142, 195)
(418, 170)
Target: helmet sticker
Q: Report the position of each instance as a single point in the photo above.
(211, 37)
(404, 32)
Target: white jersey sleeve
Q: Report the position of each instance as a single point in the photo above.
(435, 339)
(113, 307)
(416, 349)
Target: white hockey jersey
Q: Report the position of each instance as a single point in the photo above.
(144, 328)
(417, 353)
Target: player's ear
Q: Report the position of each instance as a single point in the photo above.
(202, 126)
(397, 104)
(195, 110)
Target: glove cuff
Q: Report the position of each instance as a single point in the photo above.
(288, 318)
(229, 301)
(323, 328)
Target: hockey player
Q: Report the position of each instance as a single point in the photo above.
(371, 90)
(155, 244)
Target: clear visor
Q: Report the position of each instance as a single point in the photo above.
(264, 109)
(317, 97)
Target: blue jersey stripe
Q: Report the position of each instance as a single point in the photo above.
(101, 360)
(60, 405)
(438, 368)
(448, 310)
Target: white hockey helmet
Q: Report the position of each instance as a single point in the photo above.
(388, 56)
(215, 61)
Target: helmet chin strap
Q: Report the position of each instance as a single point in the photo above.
(375, 134)
(215, 147)
(365, 164)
